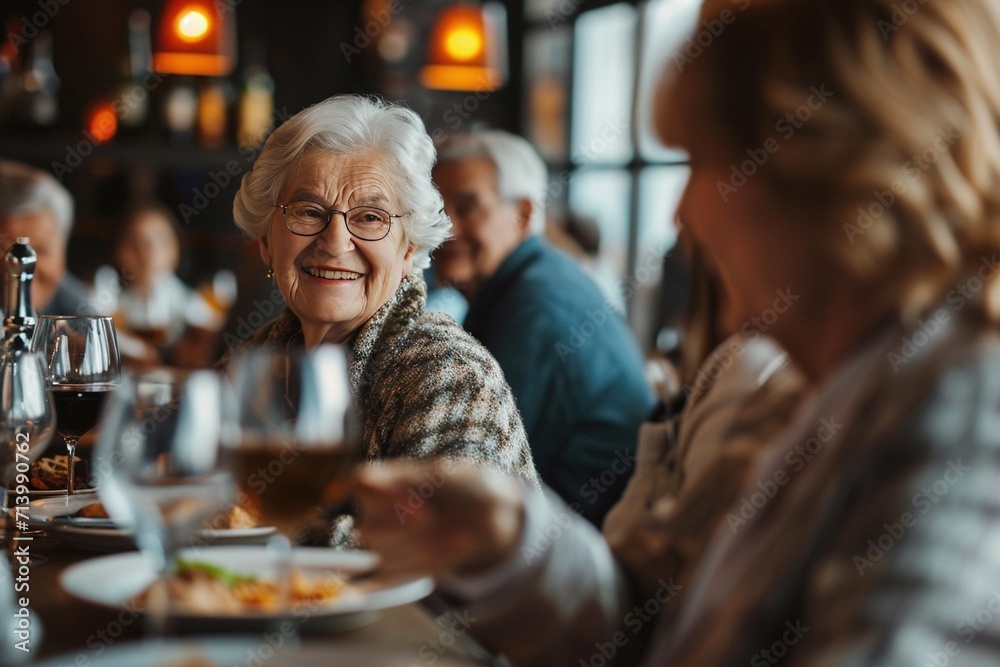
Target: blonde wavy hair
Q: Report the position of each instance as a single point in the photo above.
(899, 169)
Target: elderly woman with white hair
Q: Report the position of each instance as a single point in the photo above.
(345, 214)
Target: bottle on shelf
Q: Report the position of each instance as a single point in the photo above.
(19, 324)
(180, 110)
(256, 103)
(213, 105)
(133, 97)
(40, 84)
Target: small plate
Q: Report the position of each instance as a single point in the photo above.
(35, 494)
(54, 516)
(108, 540)
(112, 581)
(58, 508)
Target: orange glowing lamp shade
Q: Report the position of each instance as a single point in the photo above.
(467, 49)
(196, 37)
(102, 121)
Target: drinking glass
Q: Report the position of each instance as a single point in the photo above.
(26, 422)
(296, 436)
(81, 353)
(158, 469)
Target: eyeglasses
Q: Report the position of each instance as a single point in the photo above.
(306, 218)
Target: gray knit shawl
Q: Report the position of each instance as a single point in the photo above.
(424, 387)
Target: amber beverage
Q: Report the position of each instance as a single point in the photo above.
(286, 484)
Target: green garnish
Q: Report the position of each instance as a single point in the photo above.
(227, 577)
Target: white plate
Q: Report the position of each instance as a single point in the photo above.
(107, 540)
(39, 493)
(46, 510)
(113, 580)
(50, 515)
(228, 652)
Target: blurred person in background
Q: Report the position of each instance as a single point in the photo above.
(866, 533)
(156, 313)
(342, 206)
(34, 204)
(580, 236)
(571, 360)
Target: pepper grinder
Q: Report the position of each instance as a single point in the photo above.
(19, 323)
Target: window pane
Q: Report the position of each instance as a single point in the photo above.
(554, 12)
(603, 85)
(667, 25)
(606, 195)
(546, 84)
(660, 190)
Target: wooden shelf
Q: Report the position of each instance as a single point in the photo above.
(52, 148)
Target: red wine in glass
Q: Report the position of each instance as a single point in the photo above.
(78, 409)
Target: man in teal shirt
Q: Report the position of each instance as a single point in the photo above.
(571, 361)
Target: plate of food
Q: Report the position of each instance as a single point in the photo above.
(237, 585)
(49, 477)
(232, 652)
(81, 521)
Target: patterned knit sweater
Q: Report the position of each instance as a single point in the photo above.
(424, 388)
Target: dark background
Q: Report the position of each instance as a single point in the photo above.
(302, 43)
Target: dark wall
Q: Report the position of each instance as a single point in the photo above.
(303, 42)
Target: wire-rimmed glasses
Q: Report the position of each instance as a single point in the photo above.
(307, 218)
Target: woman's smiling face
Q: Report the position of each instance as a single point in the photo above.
(333, 281)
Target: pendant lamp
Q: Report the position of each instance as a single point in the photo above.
(196, 37)
(467, 48)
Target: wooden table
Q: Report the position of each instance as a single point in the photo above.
(79, 632)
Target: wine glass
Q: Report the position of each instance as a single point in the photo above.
(158, 469)
(81, 353)
(26, 422)
(296, 435)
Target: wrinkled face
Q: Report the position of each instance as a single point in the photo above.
(148, 249)
(333, 281)
(50, 246)
(487, 228)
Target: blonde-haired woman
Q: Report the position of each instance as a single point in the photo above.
(867, 535)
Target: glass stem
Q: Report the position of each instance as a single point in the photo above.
(71, 465)
(159, 622)
(280, 548)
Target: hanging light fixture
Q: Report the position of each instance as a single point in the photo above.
(467, 48)
(195, 37)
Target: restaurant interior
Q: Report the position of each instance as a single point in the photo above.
(499, 332)
(128, 102)
(585, 110)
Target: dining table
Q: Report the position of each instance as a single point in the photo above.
(66, 631)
